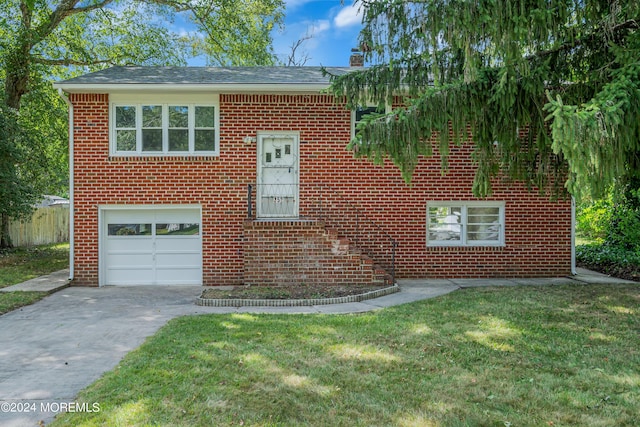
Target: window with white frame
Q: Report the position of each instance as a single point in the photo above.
(173, 128)
(465, 223)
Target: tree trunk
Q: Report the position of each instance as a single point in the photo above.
(5, 239)
(16, 81)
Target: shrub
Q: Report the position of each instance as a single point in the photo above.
(593, 219)
(615, 260)
(603, 254)
(624, 224)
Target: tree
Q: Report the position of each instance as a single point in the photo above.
(296, 58)
(42, 40)
(549, 90)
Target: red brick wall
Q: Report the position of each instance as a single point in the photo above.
(537, 231)
(300, 252)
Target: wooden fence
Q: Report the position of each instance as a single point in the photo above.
(47, 225)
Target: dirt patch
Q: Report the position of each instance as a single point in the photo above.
(288, 291)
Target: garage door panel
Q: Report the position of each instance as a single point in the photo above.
(179, 274)
(130, 244)
(167, 243)
(142, 275)
(133, 261)
(177, 259)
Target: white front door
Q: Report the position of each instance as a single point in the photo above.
(149, 246)
(277, 193)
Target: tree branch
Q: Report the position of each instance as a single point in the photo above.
(65, 8)
(178, 6)
(70, 61)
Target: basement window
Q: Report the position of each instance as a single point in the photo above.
(465, 224)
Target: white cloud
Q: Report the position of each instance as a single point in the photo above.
(348, 17)
(318, 27)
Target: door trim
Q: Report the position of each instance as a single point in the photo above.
(296, 142)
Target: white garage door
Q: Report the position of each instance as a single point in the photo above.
(152, 247)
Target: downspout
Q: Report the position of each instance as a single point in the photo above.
(71, 204)
(573, 236)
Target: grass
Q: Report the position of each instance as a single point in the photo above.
(20, 264)
(9, 301)
(521, 356)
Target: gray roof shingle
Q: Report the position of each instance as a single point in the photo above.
(206, 75)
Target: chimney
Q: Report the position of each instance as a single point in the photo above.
(356, 59)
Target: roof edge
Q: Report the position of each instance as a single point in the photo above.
(191, 87)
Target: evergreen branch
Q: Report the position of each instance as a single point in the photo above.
(629, 24)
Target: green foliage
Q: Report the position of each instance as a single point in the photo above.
(122, 32)
(615, 260)
(593, 219)
(607, 256)
(18, 189)
(548, 91)
(624, 226)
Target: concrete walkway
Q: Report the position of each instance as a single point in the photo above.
(54, 348)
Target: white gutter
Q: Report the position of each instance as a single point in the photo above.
(573, 236)
(71, 204)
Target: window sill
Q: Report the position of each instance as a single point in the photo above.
(163, 158)
(468, 248)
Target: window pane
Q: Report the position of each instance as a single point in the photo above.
(129, 229)
(152, 140)
(483, 214)
(178, 116)
(177, 229)
(126, 140)
(444, 223)
(483, 223)
(178, 140)
(205, 117)
(485, 233)
(363, 111)
(126, 117)
(205, 140)
(152, 116)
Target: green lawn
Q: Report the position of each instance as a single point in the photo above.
(20, 264)
(521, 356)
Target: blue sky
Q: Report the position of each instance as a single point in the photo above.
(334, 27)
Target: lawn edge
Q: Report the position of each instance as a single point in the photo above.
(243, 302)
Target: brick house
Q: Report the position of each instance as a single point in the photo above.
(220, 176)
